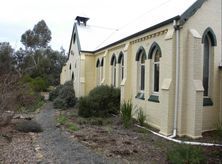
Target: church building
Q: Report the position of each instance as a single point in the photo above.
(169, 63)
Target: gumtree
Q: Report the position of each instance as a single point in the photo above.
(6, 58)
(38, 37)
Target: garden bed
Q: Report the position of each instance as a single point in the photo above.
(109, 137)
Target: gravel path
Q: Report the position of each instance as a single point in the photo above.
(56, 146)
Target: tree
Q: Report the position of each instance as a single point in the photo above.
(6, 58)
(37, 38)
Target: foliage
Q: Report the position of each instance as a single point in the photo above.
(59, 103)
(126, 113)
(40, 36)
(219, 130)
(72, 127)
(28, 126)
(66, 96)
(101, 102)
(54, 93)
(185, 154)
(63, 120)
(141, 117)
(6, 58)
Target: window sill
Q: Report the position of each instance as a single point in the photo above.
(207, 102)
(140, 96)
(154, 98)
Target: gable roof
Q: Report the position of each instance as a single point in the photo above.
(94, 39)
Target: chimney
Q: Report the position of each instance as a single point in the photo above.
(81, 20)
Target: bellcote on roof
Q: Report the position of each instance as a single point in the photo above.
(81, 20)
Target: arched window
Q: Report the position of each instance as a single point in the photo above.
(98, 72)
(74, 38)
(140, 58)
(208, 40)
(156, 71)
(73, 78)
(70, 66)
(154, 55)
(121, 67)
(101, 69)
(113, 74)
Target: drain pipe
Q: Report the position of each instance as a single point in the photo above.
(176, 26)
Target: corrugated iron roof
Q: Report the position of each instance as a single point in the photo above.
(93, 38)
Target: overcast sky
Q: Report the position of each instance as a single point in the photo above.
(18, 16)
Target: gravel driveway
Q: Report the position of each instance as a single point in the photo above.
(56, 146)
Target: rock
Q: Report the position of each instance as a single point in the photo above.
(58, 125)
(6, 118)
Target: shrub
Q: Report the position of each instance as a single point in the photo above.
(37, 84)
(28, 126)
(185, 154)
(59, 103)
(63, 96)
(219, 130)
(54, 93)
(141, 117)
(85, 105)
(101, 102)
(126, 113)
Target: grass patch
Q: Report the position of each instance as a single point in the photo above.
(72, 127)
(64, 120)
(185, 154)
(141, 117)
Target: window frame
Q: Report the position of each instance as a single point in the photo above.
(121, 67)
(155, 51)
(98, 72)
(140, 88)
(113, 70)
(210, 37)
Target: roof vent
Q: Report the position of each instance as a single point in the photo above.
(82, 20)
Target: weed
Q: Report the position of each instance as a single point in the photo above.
(185, 154)
(126, 113)
(62, 119)
(141, 117)
(219, 130)
(72, 127)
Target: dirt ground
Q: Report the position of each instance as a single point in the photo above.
(106, 137)
(16, 147)
(135, 145)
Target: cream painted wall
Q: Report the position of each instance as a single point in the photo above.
(209, 15)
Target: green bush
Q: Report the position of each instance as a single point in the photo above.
(141, 117)
(101, 102)
(126, 113)
(185, 154)
(54, 93)
(39, 84)
(59, 103)
(64, 96)
(28, 126)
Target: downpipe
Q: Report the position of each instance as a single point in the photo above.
(176, 26)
